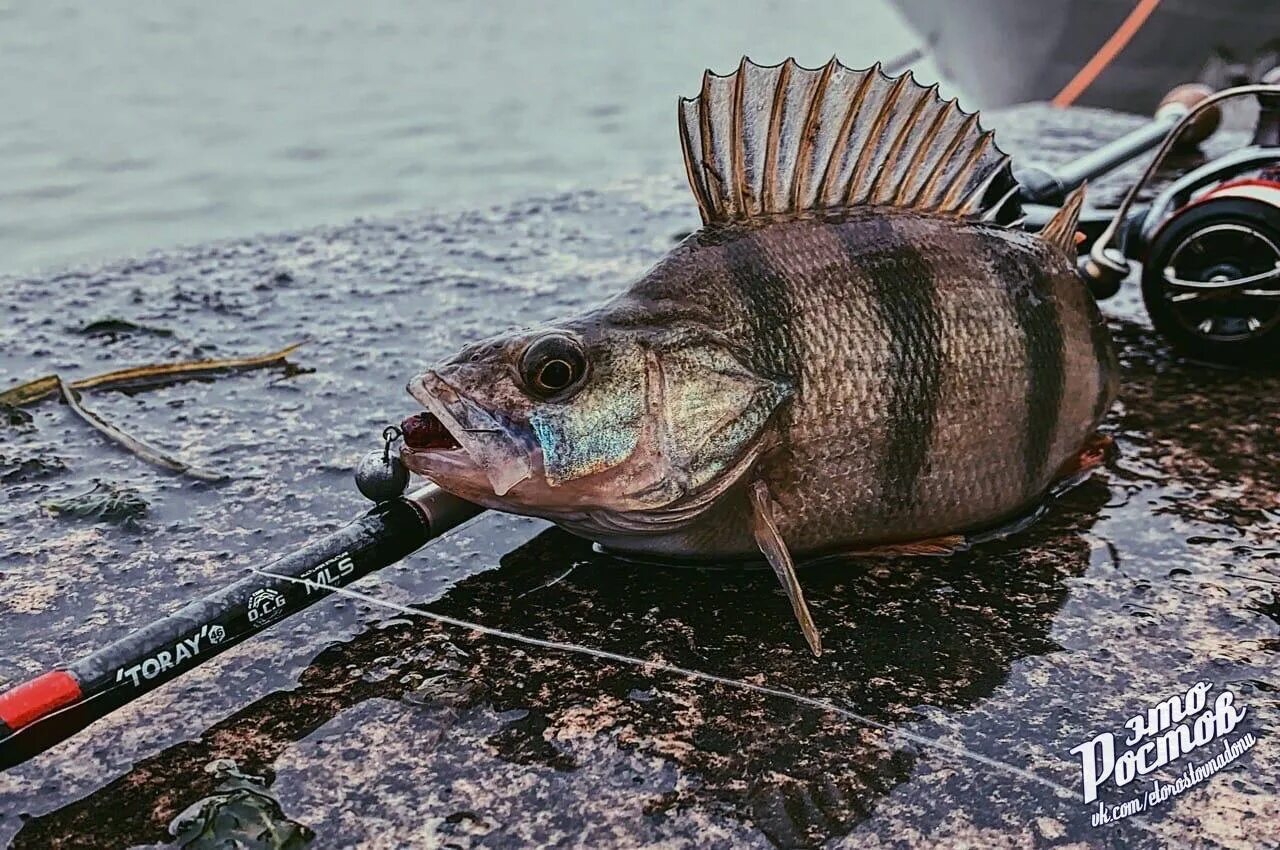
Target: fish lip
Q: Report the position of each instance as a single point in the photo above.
(490, 449)
(419, 390)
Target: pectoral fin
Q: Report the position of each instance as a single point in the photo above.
(775, 550)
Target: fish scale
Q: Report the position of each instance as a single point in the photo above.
(842, 421)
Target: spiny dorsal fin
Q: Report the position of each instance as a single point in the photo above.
(1061, 229)
(782, 139)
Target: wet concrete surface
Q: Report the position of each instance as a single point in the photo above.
(353, 724)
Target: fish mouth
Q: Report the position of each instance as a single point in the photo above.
(424, 432)
(457, 442)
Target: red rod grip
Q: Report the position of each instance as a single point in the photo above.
(42, 695)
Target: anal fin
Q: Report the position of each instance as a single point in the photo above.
(775, 550)
(1093, 454)
(936, 547)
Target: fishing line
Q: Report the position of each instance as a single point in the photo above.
(698, 675)
(1109, 50)
(687, 672)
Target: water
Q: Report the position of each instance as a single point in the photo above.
(128, 127)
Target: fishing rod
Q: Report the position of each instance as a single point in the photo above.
(1048, 187)
(1186, 116)
(39, 713)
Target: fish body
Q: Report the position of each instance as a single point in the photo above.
(850, 353)
(941, 373)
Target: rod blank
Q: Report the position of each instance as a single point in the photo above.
(39, 713)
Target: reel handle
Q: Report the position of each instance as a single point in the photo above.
(1266, 133)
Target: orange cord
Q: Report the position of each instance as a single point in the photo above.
(1107, 52)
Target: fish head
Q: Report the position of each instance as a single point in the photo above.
(586, 416)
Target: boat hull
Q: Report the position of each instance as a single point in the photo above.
(1000, 52)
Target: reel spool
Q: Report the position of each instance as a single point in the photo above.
(1211, 280)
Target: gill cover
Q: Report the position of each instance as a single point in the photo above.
(684, 412)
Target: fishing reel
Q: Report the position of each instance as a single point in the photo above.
(1208, 242)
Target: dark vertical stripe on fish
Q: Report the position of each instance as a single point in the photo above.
(1041, 325)
(904, 295)
(766, 297)
(1100, 335)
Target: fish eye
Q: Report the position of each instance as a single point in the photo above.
(551, 365)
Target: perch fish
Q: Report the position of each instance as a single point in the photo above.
(852, 353)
